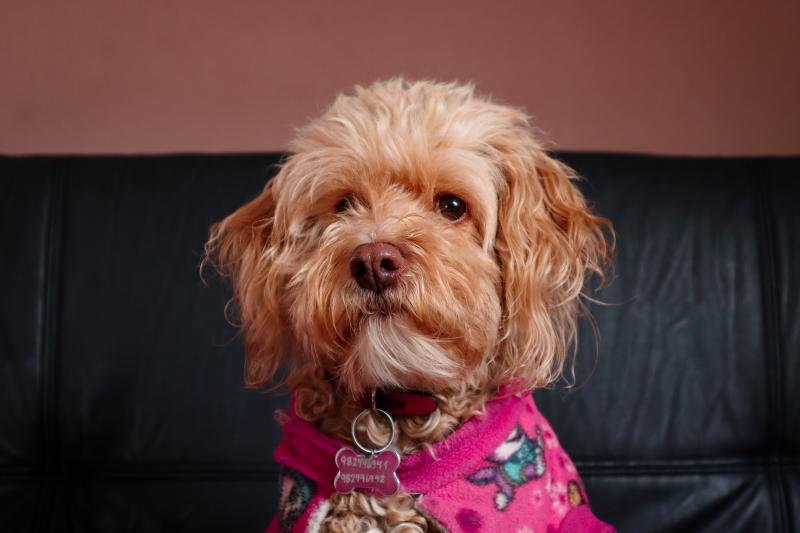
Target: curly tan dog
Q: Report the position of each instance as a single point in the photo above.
(418, 239)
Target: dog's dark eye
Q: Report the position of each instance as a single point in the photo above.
(346, 203)
(451, 207)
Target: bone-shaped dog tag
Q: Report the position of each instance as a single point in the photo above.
(375, 473)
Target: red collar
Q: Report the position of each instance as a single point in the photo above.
(402, 403)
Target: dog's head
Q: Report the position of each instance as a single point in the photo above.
(418, 237)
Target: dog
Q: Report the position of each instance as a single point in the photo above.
(419, 242)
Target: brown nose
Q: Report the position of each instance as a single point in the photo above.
(377, 266)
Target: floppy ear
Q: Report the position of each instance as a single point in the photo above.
(242, 247)
(548, 244)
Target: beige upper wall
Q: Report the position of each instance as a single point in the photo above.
(675, 77)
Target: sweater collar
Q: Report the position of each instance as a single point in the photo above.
(307, 450)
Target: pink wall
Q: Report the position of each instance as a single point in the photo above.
(678, 77)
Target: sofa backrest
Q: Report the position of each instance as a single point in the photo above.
(121, 399)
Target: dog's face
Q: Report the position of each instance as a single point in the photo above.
(417, 238)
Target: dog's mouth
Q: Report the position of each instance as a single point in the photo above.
(384, 304)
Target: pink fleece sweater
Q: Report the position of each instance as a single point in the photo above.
(504, 471)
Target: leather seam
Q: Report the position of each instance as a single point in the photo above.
(773, 336)
(682, 470)
(49, 331)
(48, 342)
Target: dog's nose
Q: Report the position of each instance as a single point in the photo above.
(377, 266)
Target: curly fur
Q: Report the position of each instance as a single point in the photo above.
(486, 300)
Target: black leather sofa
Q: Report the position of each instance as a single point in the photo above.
(121, 404)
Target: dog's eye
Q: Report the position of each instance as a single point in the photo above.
(346, 203)
(451, 207)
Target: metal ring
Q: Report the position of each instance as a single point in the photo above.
(376, 450)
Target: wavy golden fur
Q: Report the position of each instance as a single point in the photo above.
(486, 300)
